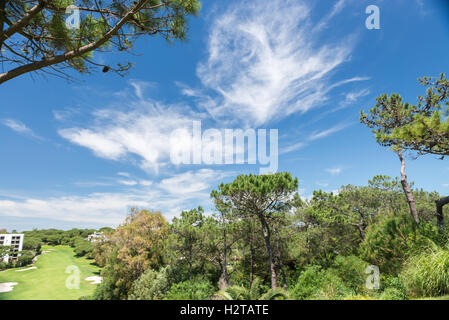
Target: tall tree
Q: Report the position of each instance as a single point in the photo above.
(428, 133)
(260, 196)
(229, 233)
(187, 233)
(425, 128)
(389, 114)
(135, 246)
(53, 35)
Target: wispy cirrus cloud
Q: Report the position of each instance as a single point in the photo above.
(192, 182)
(265, 62)
(19, 127)
(316, 135)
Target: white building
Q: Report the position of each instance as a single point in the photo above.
(14, 240)
(96, 236)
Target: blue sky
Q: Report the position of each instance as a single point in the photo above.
(80, 154)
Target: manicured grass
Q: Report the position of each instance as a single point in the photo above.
(48, 281)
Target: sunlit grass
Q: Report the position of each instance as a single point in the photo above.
(48, 281)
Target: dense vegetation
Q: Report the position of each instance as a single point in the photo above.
(33, 241)
(320, 248)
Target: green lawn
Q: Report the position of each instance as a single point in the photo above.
(48, 281)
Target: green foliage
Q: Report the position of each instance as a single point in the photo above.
(152, 285)
(32, 243)
(194, 289)
(266, 198)
(257, 292)
(351, 270)
(427, 272)
(317, 283)
(428, 132)
(389, 113)
(115, 25)
(134, 247)
(83, 248)
(392, 294)
(387, 242)
(393, 289)
(25, 258)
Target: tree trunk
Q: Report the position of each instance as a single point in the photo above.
(223, 282)
(190, 264)
(361, 230)
(440, 203)
(251, 253)
(281, 266)
(251, 264)
(266, 235)
(407, 190)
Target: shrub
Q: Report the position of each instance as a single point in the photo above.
(392, 289)
(195, 289)
(315, 283)
(83, 248)
(151, 285)
(392, 294)
(427, 273)
(25, 259)
(256, 292)
(386, 242)
(351, 270)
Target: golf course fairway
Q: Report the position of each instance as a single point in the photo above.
(48, 280)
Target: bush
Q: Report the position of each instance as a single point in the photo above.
(386, 242)
(394, 283)
(25, 259)
(392, 294)
(351, 270)
(427, 273)
(151, 285)
(195, 289)
(83, 248)
(315, 283)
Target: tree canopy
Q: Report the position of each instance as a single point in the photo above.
(52, 36)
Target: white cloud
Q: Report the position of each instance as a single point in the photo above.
(351, 98)
(143, 130)
(145, 183)
(107, 208)
(314, 136)
(128, 182)
(123, 174)
(170, 196)
(334, 171)
(325, 133)
(20, 128)
(191, 182)
(265, 62)
(293, 147)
